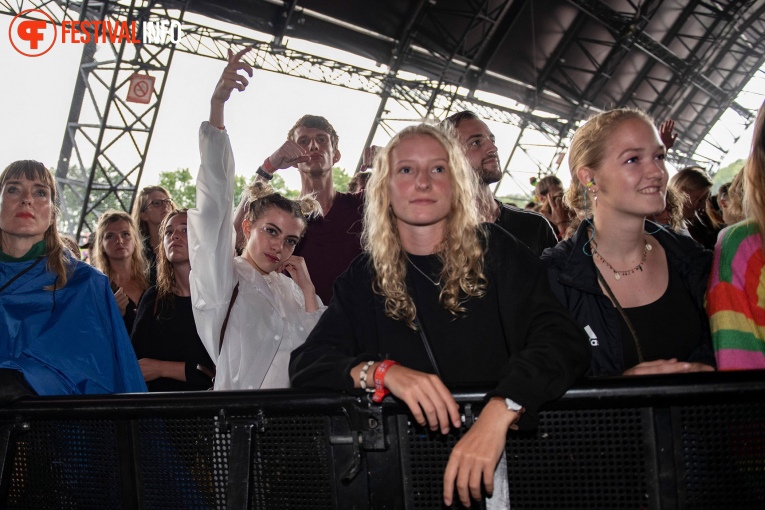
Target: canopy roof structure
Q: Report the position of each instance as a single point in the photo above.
(542, 66)
(684, 60)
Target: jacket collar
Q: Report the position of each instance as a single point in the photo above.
(578, 270)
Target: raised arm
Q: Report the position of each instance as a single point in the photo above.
(230, 79)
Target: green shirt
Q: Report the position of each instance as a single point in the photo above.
(37, 250)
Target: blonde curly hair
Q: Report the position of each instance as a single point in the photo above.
(460, 251)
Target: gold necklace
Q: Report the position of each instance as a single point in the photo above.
(618, 274)
(437, 284)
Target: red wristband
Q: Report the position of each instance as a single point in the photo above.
(380, 371)
(268, 167)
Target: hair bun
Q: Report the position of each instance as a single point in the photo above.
(259, 189)
(309, 206)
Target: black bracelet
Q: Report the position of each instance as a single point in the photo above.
(264, 174)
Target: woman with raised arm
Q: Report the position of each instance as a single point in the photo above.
(118, 254)
(170, 353)
(249, 315)
(440, 299)
(60, 330)
(636, 288)
(734, 302)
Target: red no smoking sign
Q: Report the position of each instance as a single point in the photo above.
(141, 87)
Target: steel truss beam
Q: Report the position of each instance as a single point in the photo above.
(107, 138)
(110, 181)
(700, 89)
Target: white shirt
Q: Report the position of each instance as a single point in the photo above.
(268, 319)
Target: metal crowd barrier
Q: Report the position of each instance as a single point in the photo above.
(695, 441)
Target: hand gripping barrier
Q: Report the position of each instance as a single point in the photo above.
(695, 441)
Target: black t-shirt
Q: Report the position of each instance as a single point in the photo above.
(454, 336)
(667, 328)
(171, 337)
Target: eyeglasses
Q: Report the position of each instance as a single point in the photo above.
(158, 203)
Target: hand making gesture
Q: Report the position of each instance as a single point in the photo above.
(230, 79)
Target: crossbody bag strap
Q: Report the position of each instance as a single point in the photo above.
(234, 294)
(21, 273)
(623, 314)
(426, 344)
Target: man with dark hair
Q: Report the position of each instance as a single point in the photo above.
(333, 240)
(531, 228)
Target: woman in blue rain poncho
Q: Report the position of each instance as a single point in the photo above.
(61, 332)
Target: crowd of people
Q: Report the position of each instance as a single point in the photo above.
(415, 281)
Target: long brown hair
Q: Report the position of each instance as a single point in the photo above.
(139, 266)
(165, 270)
(58, 261)
(140, 206)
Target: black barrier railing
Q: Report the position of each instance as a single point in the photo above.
(694, 441)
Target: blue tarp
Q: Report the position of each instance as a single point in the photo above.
(71, 341)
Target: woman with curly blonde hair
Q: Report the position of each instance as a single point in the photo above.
(440, 299)
(737, 284)
(117, 253)
(249, 314)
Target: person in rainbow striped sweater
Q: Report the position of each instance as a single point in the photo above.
(736, 295)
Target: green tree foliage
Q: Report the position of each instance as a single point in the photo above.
(281, 187)
(340, 179)
(182, 186)
(727, 174)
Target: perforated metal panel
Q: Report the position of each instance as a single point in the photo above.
(723, 450)
(65, 465)
(292, 464)
(576, 459)
(580, 459)
(178, 463)
(428, 453)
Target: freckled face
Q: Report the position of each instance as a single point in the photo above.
(26, 209)
(420, 182)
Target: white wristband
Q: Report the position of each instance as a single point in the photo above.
(363, 377)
